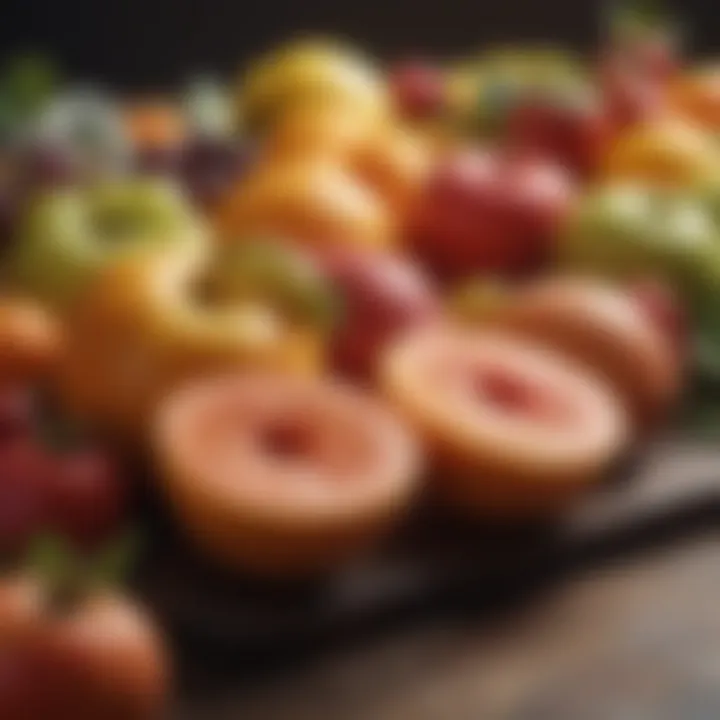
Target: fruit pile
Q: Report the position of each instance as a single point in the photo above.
(310, 299)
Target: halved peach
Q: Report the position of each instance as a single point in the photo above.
(280, 476)
(516, 431)
(607, 330)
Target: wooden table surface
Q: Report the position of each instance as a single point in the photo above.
(637, 640)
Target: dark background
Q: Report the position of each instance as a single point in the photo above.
(147, 43)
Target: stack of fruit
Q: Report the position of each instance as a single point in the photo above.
(311, 300)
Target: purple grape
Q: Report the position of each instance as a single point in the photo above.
(45, 166)
(158, 161)
(210, 166)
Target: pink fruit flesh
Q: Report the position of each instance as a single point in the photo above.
(518, 397)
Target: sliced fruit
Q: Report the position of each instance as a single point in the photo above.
(281, 476)
(516, 431)
(146, 326)
(609, 332)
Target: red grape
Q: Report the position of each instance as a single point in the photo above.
(86, 496)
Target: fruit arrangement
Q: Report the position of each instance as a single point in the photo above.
(309, 301)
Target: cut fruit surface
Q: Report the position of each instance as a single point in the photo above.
(516, 430)
(281, 475)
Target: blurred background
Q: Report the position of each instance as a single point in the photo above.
(135, 44)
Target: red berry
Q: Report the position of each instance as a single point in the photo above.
(86, 496)
(24, 470)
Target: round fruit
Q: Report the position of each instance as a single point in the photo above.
(30, 341)
(308, 71)
(485, 212)
(605, 329)
(23, 493)
(209, 167)
(379, 296)
(666, 152)
(86, 497)
(516, 431)
(319, 128)
(153, 125)
(99, 657)
(419, 90)
(145, 325)
(282, 476)
(696, 96)
(311, 200)
(67, 237)
(397, 164)
(17, 413)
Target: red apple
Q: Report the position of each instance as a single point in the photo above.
(572, 133)
(380, 295)
(419, 89)
(485, 211)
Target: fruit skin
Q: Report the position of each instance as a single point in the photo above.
(102, 657)
(695, 95)
(283, 477)
(307, 71)
(380, 295)
(668, 152)
(67, 237)
(485, 212)
(31, 341)
(627, 230)
(515, 431)
(419, 90)
(311, 200)
(140, 325)
(154, 124)
(87, 496)
(606, 330)
(23, 493)
(391, 159)
(573, 134)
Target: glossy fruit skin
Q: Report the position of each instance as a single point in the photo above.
(141, 325)
(380, 296)
(209, 167)
(605, 330)
(668, 152)
(336, 467)
(101, 658)
(419, 90)
(64, 242)
(154, 125)
(307, 71)
(575, 136)
(628, 230)
(31, 341)
(515, 432)
(484, 212)
(313, 201)
(695, 95)
(23, 493)
(86, 496)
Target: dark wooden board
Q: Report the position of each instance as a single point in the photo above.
(675, 484)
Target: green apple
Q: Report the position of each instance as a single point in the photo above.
(67, 236)
(625, 230)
